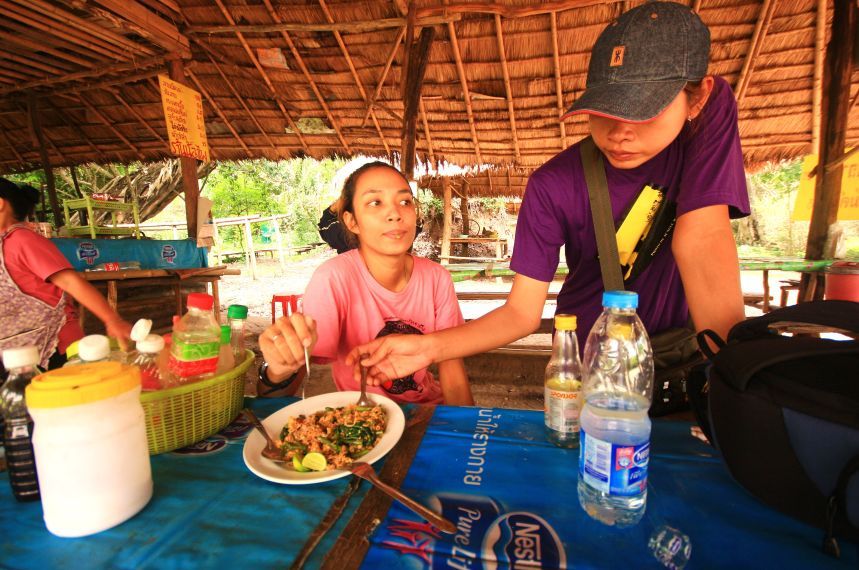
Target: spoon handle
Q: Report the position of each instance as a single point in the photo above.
(436, 520)
(258, 424)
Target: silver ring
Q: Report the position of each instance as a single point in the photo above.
(275, 337)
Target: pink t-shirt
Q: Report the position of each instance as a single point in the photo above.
(30, 260)
(352, 308)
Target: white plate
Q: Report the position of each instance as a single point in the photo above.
(283, 472)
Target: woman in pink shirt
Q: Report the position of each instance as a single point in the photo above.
(35, 279)
(378, 289)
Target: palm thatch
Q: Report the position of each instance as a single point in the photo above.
(283, 78)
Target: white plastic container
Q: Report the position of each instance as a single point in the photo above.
(89, 439)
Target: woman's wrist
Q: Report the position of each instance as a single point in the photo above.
(277, 374)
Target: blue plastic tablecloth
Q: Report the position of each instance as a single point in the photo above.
(209, 511)
(84, 254)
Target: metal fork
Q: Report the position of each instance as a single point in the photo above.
(365, 471)
(363, 400)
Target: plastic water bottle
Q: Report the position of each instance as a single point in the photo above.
(236, 315)
(146, 359)
(196, 341)
(20, 459)
(95, 348)
(615, 428)
(226, 360)
(563, 385)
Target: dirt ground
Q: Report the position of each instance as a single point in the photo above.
(512, 381)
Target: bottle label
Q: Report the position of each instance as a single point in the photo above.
(562, 410)
(618, 470)
(193, 359)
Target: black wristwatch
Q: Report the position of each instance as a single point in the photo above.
(264, 379)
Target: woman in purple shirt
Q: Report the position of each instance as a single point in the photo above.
(658, 119)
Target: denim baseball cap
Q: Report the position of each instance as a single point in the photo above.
(643, 60)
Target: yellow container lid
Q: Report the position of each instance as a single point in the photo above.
(565, 322)
(81, 384)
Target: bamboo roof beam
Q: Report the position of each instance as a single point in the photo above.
(69, 20)
(168, 8)
(360, 26)
(427, 131)
(11, 146)
(817, 88)
(354, 72)
(34, 45)
(559, 89)
(152, 27)
(108, 123)
(38, 140)
(511, 112)
(75, 126)
(384, 74)
(506, 10)
(411, 99)
(460, 70)
(763, 23)
(33, 61)
(34, 35)
(16, 73)
(217, 110)
(295, 130)
(137, 115)
(105, 84)
(306, 71)
(696, 6)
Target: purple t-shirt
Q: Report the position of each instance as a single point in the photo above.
(702, 167)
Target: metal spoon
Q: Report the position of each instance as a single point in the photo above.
(365, 471)
(271, 450)
(363, 400)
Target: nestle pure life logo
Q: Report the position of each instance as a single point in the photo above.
(88, 252)
(168, 253)
(522, 540)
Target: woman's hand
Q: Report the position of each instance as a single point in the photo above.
(283, 344)
(120, 330)
(392, 357)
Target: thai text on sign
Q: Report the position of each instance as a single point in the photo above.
(183, 112)
(848, 204)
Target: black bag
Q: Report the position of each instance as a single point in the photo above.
(675, 351)
(784, 413)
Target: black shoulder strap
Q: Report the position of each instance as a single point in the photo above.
(833, 313)
(601, 214)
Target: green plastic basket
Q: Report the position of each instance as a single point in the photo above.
(180, 416)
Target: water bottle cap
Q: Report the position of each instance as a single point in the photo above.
(140, 329)
(565, 322)
(93, 347)
(18, 357)
(225, 334)
(150, 344)
(201, 301)
(237, 312)
(620, 299)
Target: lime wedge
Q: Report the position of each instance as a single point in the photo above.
(296, 462)
(314, 461)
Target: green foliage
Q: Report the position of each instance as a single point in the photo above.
(429, 205)
(769, 231)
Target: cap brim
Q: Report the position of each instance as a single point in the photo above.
(629, 102)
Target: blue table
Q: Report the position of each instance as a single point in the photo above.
(209, 511)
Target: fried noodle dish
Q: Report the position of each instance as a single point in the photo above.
(342, 434)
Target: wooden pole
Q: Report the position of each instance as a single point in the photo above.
(190, 183)
(279, 240)
(252, 256)
(217, 239)
(415, 77)
(463, 207)
(39, 141)
(837, 71)
(446, 221)
(817, 85)
(559, 90)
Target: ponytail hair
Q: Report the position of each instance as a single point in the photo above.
(22, 198)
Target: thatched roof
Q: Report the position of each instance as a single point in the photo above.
(281, 78)
(487, 183)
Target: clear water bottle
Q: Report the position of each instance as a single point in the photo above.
(196, 341)
(236, 315)
(563, 385)
(95, 348)
(615, 428)
(20, 460)
(146, 360)
(226, 360)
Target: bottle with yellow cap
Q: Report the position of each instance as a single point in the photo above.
(563, 385)
(90, 444)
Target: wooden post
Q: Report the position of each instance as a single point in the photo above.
(217, 240)
(188, 165)
(463, 207)
(39, 141)
(838, 69)
(252, 256)
(446, 223)
(418, 60)
(279, 239)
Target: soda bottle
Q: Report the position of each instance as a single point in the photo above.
(196, 341)
(236, 315)
(20, 460)
(615, 428)
(226, 360)
(146, 359)
(563, 385)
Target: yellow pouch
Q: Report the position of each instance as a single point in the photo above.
(637, 223)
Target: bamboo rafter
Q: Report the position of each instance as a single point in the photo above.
(23, 36)
(460, 70)
(108, 123)
(426, 130)
(331, 26)
(335, 124)
(137, 115)
(217, 109)
(11, 146)
(502, 52)
(508, 11)
(358, 82)
(34, 45)
(155, 29)
(384, 74)
(75, 126)
(761, 27)
(559, 90)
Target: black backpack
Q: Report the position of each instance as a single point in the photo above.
(784, 413)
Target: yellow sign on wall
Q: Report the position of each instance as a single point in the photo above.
(848, 205)
(183, 111)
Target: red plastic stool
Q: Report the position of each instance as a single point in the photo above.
(288, 304)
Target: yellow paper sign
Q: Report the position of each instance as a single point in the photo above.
(183, 112)
(848, 205)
